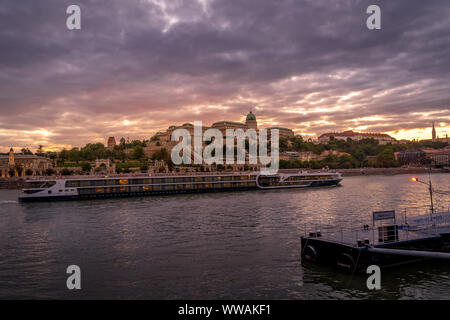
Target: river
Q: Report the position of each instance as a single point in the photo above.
(242, 245)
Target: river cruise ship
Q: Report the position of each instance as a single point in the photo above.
(129, 186)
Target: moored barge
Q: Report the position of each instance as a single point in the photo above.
(418, 238)
(129, 186)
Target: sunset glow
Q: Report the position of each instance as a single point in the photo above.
(134, 70)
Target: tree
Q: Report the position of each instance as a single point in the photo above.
(49, 172)
(86, 166)
(161, 154)
(283, 144)
(386, 159)
(29, 172)
(66, 172)
(144, 167)
(138, 152)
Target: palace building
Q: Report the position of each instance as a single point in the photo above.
(163, 139)
(19, 165)
(382, 138)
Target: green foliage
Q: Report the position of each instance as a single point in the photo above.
(386, 159)
(283, 144)
(86, 166)
(138, 152)
(144, 166)
(66, 172)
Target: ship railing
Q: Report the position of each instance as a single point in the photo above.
(360, 231)
(341, 232)
(427, 220)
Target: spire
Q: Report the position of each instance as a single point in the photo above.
(433, 133)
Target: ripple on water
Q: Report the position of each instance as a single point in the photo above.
(228, 245)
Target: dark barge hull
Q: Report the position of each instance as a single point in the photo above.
(165, 192)
(354, 259)
(131, 194)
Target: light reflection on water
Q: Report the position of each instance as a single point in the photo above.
(225, 245)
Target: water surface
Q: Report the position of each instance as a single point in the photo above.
(242, 245)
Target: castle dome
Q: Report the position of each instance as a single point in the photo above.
(251, 116)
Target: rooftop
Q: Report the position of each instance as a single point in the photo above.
(351, 133)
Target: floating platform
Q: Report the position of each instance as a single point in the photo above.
(353, 250)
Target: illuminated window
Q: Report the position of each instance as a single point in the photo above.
(146, 188)
(123, 181)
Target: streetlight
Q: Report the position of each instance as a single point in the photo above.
(430, 188)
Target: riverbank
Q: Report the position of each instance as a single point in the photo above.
(19, 183)
(390, 171)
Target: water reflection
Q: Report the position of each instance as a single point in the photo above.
(226, 246)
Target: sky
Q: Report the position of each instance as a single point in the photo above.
(138, 66)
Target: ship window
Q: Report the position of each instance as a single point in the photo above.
(49, 184)
(85, 183)
(31, 191)
(86, 191)
(146, 188)
(123, 181)
(98, 190)
(72, 183)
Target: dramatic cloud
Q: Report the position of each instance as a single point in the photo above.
(138, 66)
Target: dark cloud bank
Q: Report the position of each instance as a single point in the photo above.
(309, 65)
